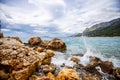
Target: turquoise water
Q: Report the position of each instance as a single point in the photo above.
(106, 48)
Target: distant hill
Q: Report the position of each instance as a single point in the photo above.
(111, 28)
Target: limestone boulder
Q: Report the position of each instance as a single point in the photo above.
(34, 41)
(16, 61)
(56, 44)
(67, 74)
(106, 67)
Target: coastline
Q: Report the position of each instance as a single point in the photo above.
(95, 70)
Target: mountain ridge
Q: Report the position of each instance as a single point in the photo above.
(110, 28)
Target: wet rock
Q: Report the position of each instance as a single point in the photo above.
(106, 67)
(88, 77)
(92, 69)
(67, 74)
(78, 66)
(94, 60)
(49, 68)
(75, 59)
(34, 41)
(78, 54)
(56, 44)
(116, 73)
(1, 35)
(22, 61)
(63, 65)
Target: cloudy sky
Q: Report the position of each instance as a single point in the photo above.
(54, 17)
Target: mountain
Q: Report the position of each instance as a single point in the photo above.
(111, 28)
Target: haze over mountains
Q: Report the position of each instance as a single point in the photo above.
(110, 28)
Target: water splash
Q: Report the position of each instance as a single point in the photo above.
(85, 58)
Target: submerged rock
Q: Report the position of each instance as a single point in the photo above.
(75, 59)
(106, 67)
(34, 41)
(67, 74)
(21, 61)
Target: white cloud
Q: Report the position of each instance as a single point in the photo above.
(5, 30)
(44, 3)
(20, 16)
(71, 19)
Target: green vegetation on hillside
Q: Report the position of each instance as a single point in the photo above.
(111, 28)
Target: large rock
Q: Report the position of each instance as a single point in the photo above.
(20, 62)
(106, 67)
(56, 44)
(92, 69)
(67, 74)
(34, 41)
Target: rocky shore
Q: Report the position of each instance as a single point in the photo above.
(32, 61)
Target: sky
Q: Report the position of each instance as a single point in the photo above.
(54, 18)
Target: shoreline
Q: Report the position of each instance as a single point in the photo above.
(44, 52)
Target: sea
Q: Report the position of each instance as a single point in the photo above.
(105, 48)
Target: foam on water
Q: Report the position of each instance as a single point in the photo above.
(90, 50)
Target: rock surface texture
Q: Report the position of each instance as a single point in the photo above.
(54, 44)
(67, 74)
(16, 61)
